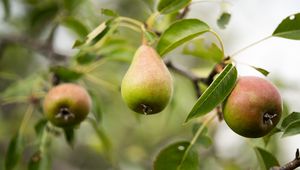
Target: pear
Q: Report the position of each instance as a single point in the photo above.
(253, 108)
(67, 105)
(147, 86)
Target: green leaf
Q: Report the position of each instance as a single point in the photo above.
(86, 58)
(216, 93)
(223, 20)
(65, 74)
(117, 48)
(115, 44)
(75, 25)
(14, 152)
(266, 159)
(78, 43)
(6, 8)
(205, 141)
(170, 158)
(179, 33)
(98, 36)
(122, 55)
(289, 28)
(289, 119)
(170, 6)
(23, 88)
(70, 136)
(292, 129)
(109, 12)
(43, 15)
(200, 48)
(72, 5)
(195, 128)
(261, 70)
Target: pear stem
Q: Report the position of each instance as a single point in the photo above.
(134, 25)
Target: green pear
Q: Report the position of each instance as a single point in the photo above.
(147, 86)
(253, 108)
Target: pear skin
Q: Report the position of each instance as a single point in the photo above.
(147, 86)
(253, 108)
(66, 105)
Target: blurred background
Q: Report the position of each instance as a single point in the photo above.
(135, 139)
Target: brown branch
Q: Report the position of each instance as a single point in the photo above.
(291, 165)
(180, 70)
(184, 12)
(50, 39)
(217, 69)
(194, 78)
(42, 48)
(220, 113)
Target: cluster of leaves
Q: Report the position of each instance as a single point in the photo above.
(96, 46)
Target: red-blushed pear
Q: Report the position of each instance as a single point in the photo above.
(67, 105)
(147, 86)
(253, 108)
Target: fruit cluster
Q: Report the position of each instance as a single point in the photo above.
(251, 110)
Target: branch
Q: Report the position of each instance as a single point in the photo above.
(217, 69)
(194, 78)
(291, 165)
(50, 39)
(184, 12)
(180, 70)
(42, 48)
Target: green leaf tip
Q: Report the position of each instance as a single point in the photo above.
(289, 28)
(180, 32)
(266, 159)
(216, 93)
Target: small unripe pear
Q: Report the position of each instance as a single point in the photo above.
(253, 108)
(67, 105)
(147, 86)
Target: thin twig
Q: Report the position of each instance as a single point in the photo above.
(188, 74)
(217, 69)
(179, 69)
(194, 78)
(42, 48)
(51, 36)
(184, 12)
(291, 165)
(220, 113)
